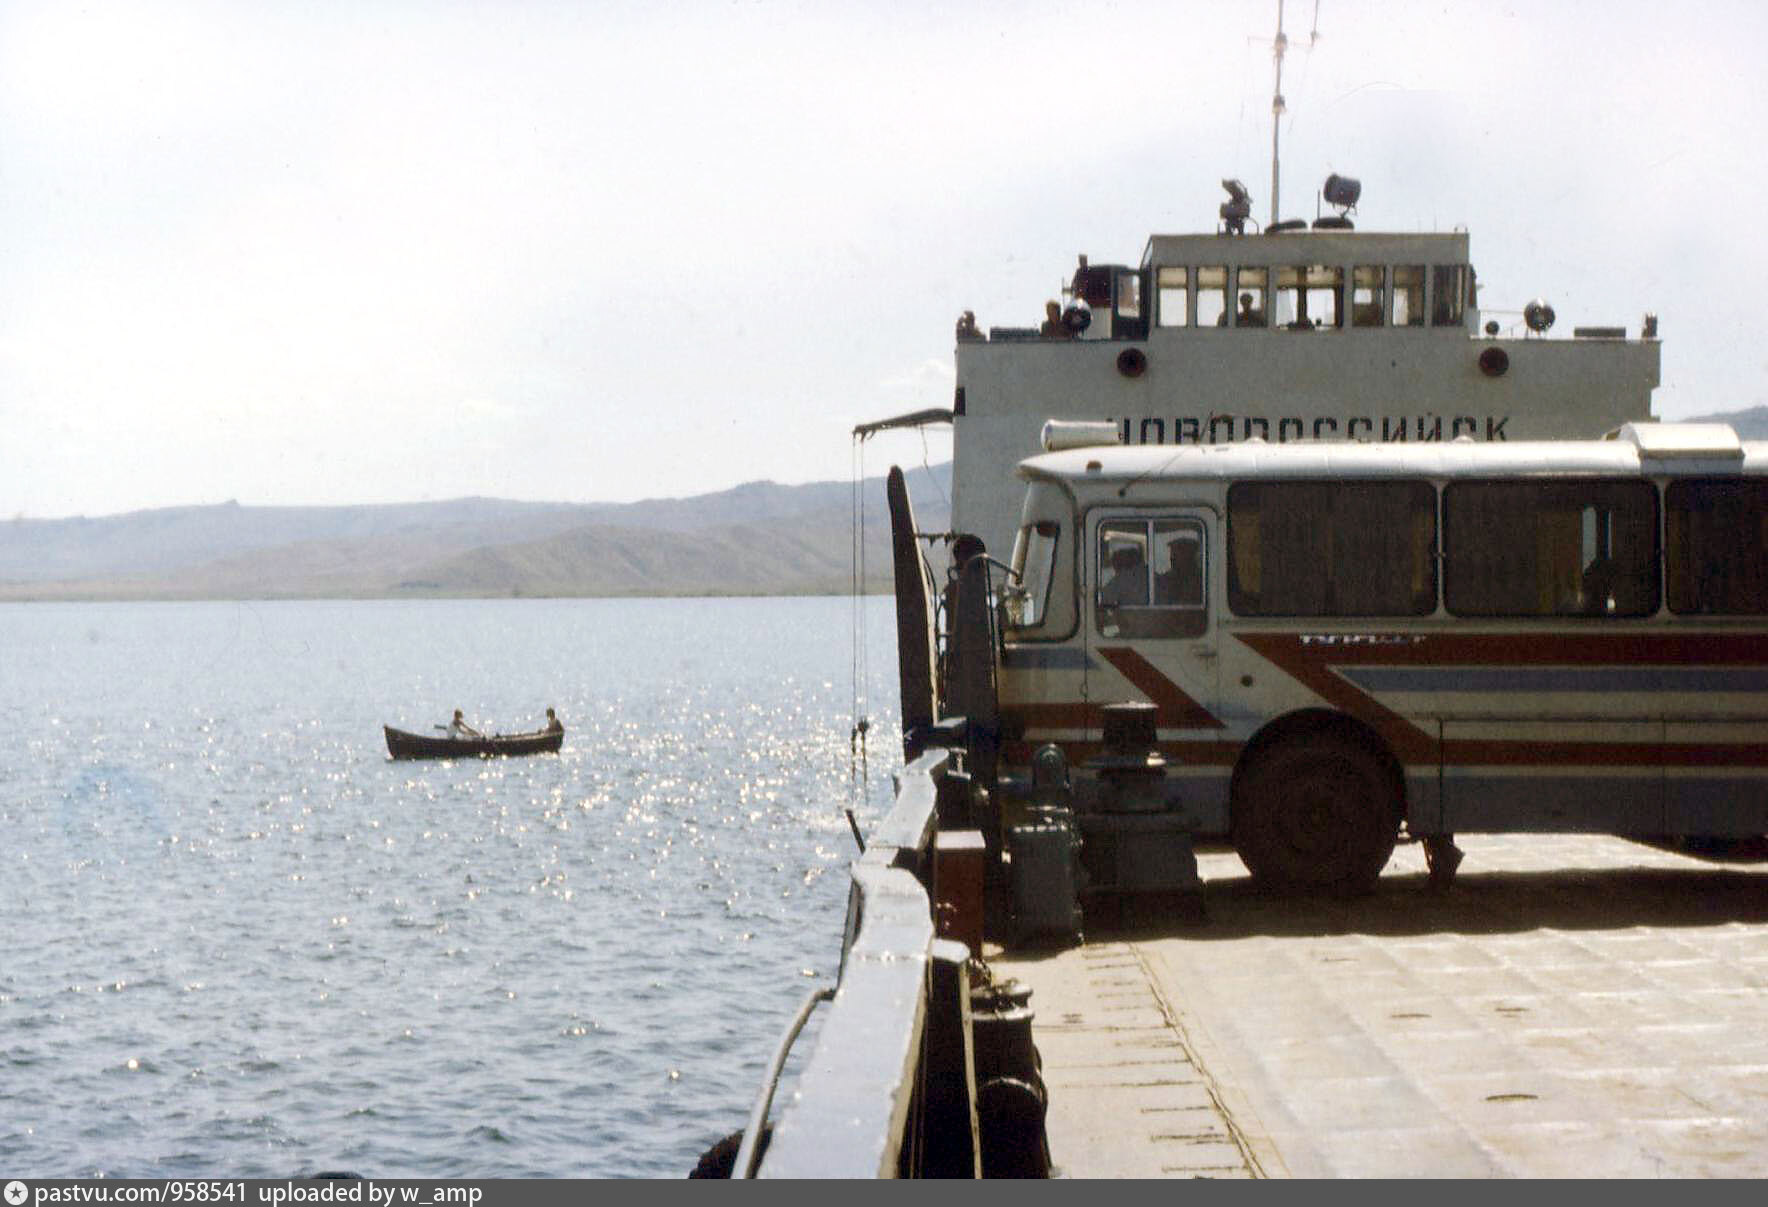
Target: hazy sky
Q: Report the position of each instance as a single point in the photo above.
(344, 251)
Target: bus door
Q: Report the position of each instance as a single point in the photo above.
(1150, 629)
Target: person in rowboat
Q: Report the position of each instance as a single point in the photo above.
(458, 728)
(553, 724)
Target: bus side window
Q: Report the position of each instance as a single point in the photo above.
(1347, 548)
(1716, 554)
(1577, 548)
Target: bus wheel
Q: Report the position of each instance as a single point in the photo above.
(1316, 815)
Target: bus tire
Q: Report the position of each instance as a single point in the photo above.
(1316, 815)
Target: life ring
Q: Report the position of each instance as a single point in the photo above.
(1132, 362)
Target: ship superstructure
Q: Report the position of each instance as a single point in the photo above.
(1298, 332)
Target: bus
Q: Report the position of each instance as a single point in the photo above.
(1343, 641)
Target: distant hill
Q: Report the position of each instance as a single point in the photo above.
(1751, 424)
(760, 538)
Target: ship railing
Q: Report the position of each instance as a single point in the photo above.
(871, 1100)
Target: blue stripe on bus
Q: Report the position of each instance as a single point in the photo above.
(1607, 679)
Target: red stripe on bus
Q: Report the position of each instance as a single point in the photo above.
(1177, 710)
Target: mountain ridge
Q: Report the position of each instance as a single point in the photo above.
(791, 539)
(755, 538)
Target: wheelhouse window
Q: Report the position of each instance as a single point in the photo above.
(1171, 286)
(1251, 287)
(1583, 547)
(1212, 296)
(1128, 301)
(1332, 548)
(1310, 298)
(1408, 295)
(1027, 597)
(1449, 295)
(1368, 295)
(1716, 546)
(1151, 576)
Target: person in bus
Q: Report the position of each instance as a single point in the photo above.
(1128, 584)
(1182, 581)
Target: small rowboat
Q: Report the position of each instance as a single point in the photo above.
(403, 745)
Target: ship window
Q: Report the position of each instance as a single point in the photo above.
(1171, 285)
(1212, 297)
(1309, 298)
(1250, 289)
(1367, 295)
(1716, 546)
(1331, 548)
(1325, 297)
(1569, 548)
(1448, 295)
(1152, 578)
(1129, 295)
(1408, 295)
(1289, 301)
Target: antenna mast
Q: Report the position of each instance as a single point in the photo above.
(1277, 48)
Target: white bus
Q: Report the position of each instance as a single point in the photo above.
(1342, 639)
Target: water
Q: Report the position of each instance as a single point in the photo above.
(238, 940)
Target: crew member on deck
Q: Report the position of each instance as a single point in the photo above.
(1053, 326)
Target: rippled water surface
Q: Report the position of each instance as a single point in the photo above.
(238, 940)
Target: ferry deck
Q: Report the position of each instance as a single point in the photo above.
(1573, 1006)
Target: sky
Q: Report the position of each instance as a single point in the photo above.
(363, 251)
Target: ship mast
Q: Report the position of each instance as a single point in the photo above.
(1278, 108)
(1277, 48)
